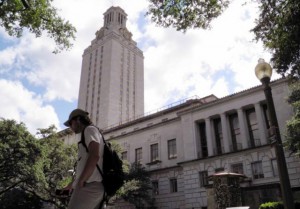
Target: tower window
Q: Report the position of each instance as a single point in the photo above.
(124, 155)
(203, 178)
(253, 128)
(237, 168)
(154, 152)
(235, 132)
(138, 155)
(274, 167)
(257, 170)
(155, 190)
(172, 152)
(218, 135)
(173, 185)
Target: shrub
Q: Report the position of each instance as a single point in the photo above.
(271, 205)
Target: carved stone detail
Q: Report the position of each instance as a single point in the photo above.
(125, 33)
(154, 138)
(100, 33)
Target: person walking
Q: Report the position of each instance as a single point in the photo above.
(87, 189)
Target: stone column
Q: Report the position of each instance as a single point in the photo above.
(261, 124)
(188, 137)
(209, 137)
(243, 128)
(225, 133)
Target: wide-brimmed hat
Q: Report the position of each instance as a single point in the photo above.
(75, 113)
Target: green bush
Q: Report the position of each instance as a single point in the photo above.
(277, 205)
(271, 205)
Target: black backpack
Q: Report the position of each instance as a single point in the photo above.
(112, 174)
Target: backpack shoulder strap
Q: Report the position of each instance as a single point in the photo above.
(82, 141)
(101, 135)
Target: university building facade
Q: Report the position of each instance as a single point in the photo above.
(190, 140)
(181, 146)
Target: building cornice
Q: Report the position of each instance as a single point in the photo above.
(112, 35)
(231, 96)
(137, 130)
(154, 115)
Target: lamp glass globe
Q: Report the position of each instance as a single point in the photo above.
(263, 69)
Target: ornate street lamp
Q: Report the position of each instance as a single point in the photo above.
(263, 72)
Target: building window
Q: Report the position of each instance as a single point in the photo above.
(274, 166)
(154, 152)
(237, 168)
(172, 151)
(124, 155)
(218, 135)
(267, 122)
(203, 178)
(235, 132)
(173, 185)
(138, 155)
(257, 170)
(218, 170)
(155, 190)
(253, 128)
(203, 140)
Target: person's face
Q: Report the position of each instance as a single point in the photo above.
(75, 125)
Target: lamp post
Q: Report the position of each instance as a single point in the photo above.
(263, 72)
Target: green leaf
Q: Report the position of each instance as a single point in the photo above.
(37, 16)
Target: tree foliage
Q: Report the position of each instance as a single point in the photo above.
(17, 198)
(278, 27)
(293, 125)
(33, 167)
(36, 16)
(20, 156)
(185, 14)
(137, 188)
(58, 162)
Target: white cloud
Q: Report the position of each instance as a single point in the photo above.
(32, 59)
(7, 58)
(188, 63)
(177, 65)
(24, 106)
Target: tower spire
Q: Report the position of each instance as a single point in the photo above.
(115, 17)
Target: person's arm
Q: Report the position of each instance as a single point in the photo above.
(90, 166)
(68, 187)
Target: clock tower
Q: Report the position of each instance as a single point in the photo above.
(112, 74)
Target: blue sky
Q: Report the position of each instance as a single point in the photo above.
(40, 88)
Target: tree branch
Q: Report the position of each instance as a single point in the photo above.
(2, 2)
(47, 20)
(41, 198)
(25, 4)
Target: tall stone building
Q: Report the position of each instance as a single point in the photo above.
(112, 73)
